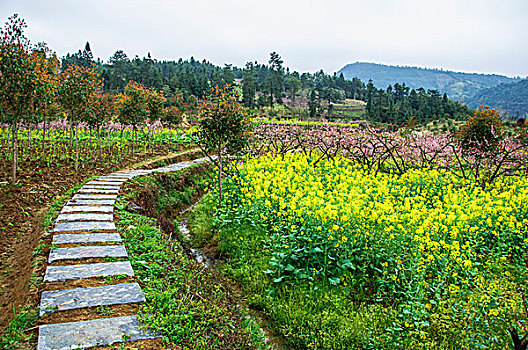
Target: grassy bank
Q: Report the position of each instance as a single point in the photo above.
(189, 305)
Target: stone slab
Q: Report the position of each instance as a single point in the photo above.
(122, 176)
(97, 190)
(84, 226)
(181, 165)
(91, 202)
(75, 238)
(131, 172)
(68, 299)
(138, 175)
(94, 196)
(85, 217)
(75, 272)
(111, 178)
(105, 183)
(103, 187)
(87, 334)
(76, 253)
(168, 169)
(135, 173)
(87, 209)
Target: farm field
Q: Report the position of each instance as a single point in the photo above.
(46, 172)
(335, 235)
(392, 244)
(167, 202)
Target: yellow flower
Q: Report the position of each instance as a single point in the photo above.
(494, 312)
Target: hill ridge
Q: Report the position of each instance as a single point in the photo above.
(511, 98)
(458, 85)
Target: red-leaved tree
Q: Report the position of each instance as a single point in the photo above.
(17, 79)
(223, 127)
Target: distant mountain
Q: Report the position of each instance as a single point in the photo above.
(511, 98)
(458, 86)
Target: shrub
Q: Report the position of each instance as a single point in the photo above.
(483, 131)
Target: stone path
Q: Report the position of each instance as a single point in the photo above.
(87, 221)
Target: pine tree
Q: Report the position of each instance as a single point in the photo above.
(275, 79)
(249, 85)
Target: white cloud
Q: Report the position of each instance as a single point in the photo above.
(468, 35)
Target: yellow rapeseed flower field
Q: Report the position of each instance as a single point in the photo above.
(446, 251)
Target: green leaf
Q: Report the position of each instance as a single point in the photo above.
(334, 281)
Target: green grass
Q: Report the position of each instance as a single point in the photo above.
(15, 333)
(186, 303)
(311, 315)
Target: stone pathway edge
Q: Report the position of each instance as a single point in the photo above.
(70, 228)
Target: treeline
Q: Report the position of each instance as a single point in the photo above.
(265, 86)
(399, 103)
(262, 85)
(36, 89)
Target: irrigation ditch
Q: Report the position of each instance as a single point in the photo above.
(170, 198)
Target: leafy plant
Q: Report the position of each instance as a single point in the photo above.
(223, 127)
(482, 131)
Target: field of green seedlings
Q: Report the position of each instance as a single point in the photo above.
(53, 146)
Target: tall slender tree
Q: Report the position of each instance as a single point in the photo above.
(249, 85)
(275, 78)
(76, 90)
(224, 127)
(102, 108)
(133, 108)
(227, 74)
(47, 68)
(155, 103)
(294, 85)
(17, 79)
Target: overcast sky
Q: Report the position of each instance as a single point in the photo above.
(485, 36)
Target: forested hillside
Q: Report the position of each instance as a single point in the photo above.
(399, 103)
(272, 89)
(457, 85)
(510, 98)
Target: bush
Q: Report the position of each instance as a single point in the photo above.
(483, 131)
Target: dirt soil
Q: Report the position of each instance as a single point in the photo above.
(23, 206)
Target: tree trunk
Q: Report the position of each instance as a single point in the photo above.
(44, 139)
(133, 140)
(150, 140)
(76, 147)
(121, 140)
(220, 178)
(99, 140)
(71, 135)
(15, 149)
(8, 141)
